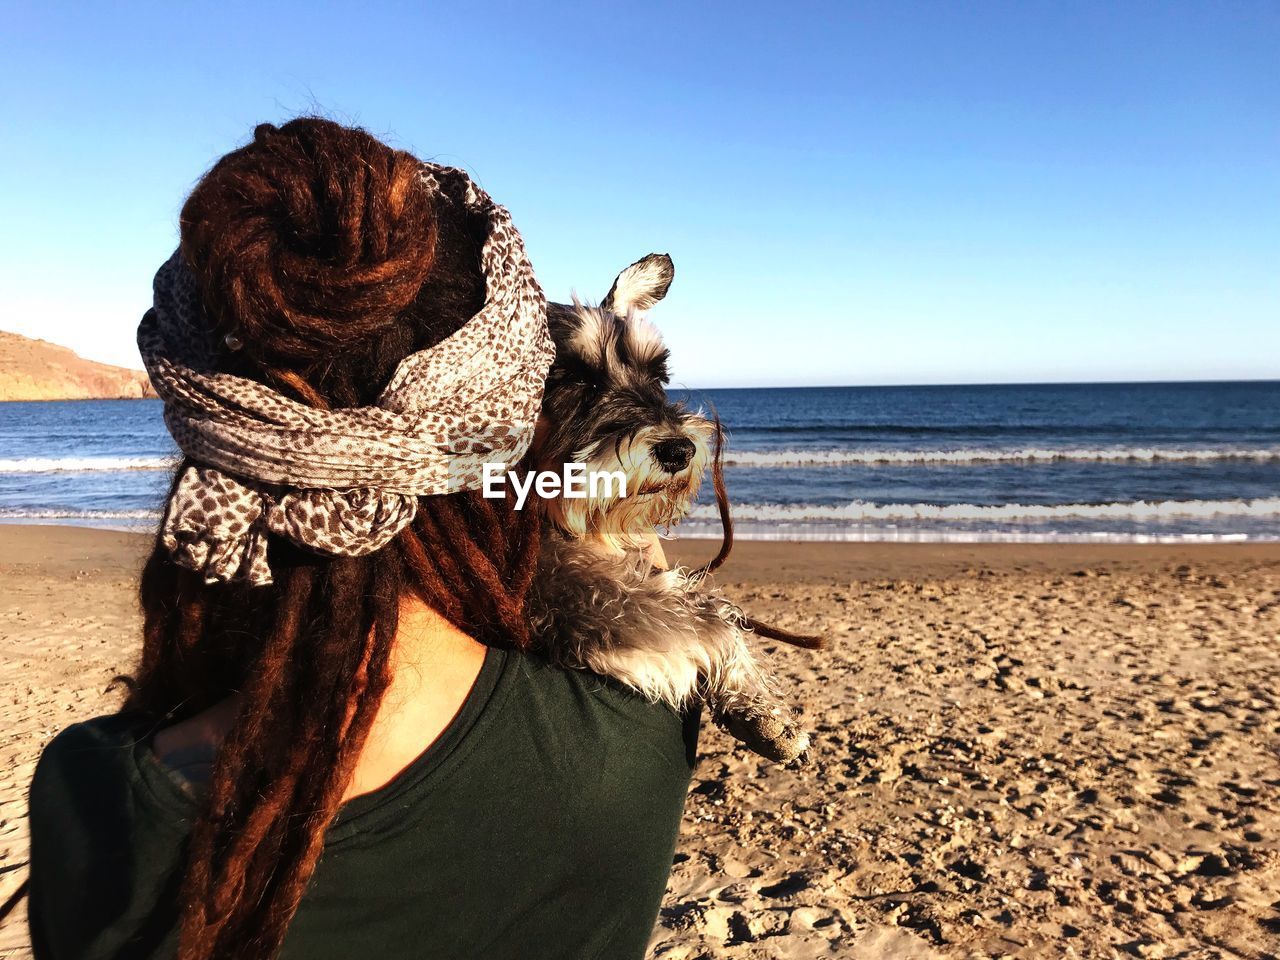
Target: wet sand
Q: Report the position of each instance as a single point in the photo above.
(1020, 750)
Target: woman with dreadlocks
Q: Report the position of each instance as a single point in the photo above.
(333, 743)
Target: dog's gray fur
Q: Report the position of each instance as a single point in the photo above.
(596, 603)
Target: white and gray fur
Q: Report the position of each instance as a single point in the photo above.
(596, 602)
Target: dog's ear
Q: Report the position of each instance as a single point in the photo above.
(641, 285)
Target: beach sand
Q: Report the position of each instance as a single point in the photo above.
(1020, 750)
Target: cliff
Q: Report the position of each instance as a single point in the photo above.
(38, 370)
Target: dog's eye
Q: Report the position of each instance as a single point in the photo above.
(571, 377)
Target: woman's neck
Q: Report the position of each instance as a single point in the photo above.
(433, 667)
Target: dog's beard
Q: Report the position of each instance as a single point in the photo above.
(655, 498)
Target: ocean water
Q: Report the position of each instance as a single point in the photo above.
(1072, 462)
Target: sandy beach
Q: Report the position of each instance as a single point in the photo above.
(1020, 750)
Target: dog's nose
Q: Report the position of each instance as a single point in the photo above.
(673, 455)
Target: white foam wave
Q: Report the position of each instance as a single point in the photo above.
(862, 511)
(793, 458)
(871, 534)
(765, 458)
(84, 464)
(10, 513)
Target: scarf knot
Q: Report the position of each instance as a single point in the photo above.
(344, 482)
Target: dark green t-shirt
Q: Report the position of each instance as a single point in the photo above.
(540, 824)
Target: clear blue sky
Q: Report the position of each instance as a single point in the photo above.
(853, 193)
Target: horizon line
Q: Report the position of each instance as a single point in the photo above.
(986, 383)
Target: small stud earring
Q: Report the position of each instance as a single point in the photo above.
(233, 342)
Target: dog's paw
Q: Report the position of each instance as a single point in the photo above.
(770, 733)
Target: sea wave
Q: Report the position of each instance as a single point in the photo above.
(991, 428)
(21, 513)
(84, 464)
(835, 458)
(861, 511)
(1165, 521)
(772, 458)
(889, 534)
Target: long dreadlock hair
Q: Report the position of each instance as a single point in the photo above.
(323, 252)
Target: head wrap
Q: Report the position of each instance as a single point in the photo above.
(344, 481)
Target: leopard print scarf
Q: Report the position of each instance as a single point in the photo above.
(343, 482)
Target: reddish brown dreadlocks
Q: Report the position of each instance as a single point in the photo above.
(317, 244)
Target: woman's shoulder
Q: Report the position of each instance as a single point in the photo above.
(105, 834)
(592, 710)
(106, 759)
(87, 750)
(537, 673)
(76, 785)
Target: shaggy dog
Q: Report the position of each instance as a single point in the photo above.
(597, 602)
